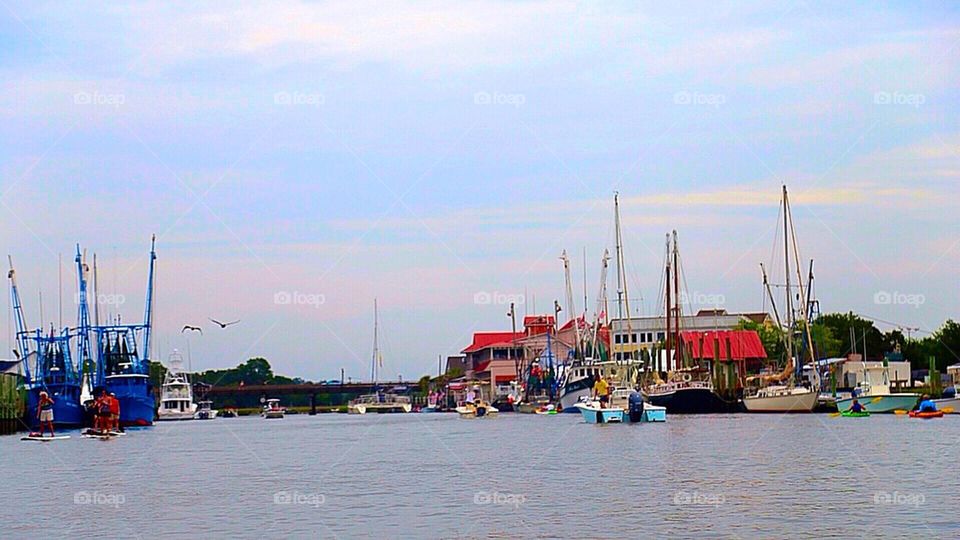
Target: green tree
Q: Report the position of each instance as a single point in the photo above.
(770, 336)
(864, 331)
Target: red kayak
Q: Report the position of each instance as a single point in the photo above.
(927, 414)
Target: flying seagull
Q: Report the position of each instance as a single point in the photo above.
(193, 328)
(224, 325)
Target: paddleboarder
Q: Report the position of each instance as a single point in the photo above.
(45, 413)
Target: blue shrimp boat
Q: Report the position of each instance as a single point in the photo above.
(123, 361)
(48, 366)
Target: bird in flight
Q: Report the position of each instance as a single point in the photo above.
(193, 328)
(224, 324)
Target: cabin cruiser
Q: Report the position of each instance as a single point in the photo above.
(380, 402)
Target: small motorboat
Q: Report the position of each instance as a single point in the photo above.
(641, 411)
(925, 414)
(273, 409)
(593, 413)
(205, 411)
(479, 409)
(855, 414)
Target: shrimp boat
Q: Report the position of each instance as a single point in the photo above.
(48, 365)
(781, 393)
(273, 410)
(205, 411)
(380, 401)
(176, 394)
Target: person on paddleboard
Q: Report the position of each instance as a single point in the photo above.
(45, 413)
(114, 412)
(103, 412)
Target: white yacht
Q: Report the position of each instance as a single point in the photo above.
(380, 401)
(176, 395)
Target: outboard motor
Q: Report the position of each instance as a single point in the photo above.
(636, 407)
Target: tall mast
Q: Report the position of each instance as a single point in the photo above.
(786, 270)
(148, 310)
(622, 291)
(83, 314)
(376, 343)
(668, 346)
(676, 300)
(96, 298)
(22, 347)
(571, 310)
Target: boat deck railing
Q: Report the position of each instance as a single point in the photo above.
(384, 399)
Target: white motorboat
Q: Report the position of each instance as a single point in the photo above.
(273, 410)
(205, 411)
(176, 395)
(480, 409)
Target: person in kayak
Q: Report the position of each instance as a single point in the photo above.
(927, 404)
(856, 406)
(45, 413)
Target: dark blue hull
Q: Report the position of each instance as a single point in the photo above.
(67, 410)
(135, 394)
(693, 401)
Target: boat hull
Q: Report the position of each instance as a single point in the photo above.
(137, 405)
(596, 415)
(575, 392)
(691, 401)
(796, 401)
(882, 404)
(67, 410)
(952, 403)
(163, 416)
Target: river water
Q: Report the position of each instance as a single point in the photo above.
(517, 476)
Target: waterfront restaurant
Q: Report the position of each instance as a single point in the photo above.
(494, 357)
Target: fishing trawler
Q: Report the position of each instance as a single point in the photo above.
(48, 365)
(123, 358)
(380, 401)
(176, 394)
(781, 392)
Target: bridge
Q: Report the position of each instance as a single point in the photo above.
(344, 392)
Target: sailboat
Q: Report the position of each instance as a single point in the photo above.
(688, 388)
(379, 401)
(781, 392)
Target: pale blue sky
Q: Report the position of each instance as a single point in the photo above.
(426, 152)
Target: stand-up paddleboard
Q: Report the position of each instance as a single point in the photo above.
(101, 437)
(44, 439)
(102, 434)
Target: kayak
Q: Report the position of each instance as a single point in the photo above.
(851, 414)
(927, 414)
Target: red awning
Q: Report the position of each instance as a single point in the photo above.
(482, 340)
(505, 378)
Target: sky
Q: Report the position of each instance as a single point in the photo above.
(298, 159)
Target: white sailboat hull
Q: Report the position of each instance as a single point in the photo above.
(782, 400)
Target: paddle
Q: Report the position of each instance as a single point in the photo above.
(947, 410)
(835, 414)
(900, 412)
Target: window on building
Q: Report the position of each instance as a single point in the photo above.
(661, 336)
(649, 337)
(633, 338)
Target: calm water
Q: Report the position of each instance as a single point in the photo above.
(518, 476)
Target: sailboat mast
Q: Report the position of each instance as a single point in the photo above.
(676, 300)
(668, 346)
(376, 342)
(786, 271)
(623, 291)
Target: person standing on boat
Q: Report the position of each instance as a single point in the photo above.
(601, 391)
(45, 413)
